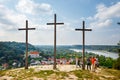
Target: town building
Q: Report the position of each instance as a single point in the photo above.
(34, 54)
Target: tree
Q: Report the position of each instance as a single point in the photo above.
(116, 65)
(118, 43)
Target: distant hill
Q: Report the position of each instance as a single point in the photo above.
(13, 51)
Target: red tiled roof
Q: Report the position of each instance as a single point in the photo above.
(34, 52)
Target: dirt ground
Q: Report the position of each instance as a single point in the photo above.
(65, 69)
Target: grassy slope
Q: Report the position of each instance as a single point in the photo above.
(31, 74)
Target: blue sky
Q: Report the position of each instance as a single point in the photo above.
(100, 15)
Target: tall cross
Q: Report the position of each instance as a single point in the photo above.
(26, 59)
(83, 52)
(55, 23)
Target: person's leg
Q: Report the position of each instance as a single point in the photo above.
(87, 66)
(93, 67)
(90, 67)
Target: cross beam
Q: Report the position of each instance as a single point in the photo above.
(118, 23)
(55, 23)
(26, 59)
(83, 52)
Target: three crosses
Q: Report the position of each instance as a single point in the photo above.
(55, 23)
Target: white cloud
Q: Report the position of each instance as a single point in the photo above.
(105, 15)
(12, 20)
(104, 12)
(4, 1)
(30, 7)
(101, 24)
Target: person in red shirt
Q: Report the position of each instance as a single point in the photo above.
(93, 60)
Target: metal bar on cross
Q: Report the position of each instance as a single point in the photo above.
(118, 23)
(83, 46)
(55, 23)
(26, 58)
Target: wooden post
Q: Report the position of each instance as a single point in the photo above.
(55, 23)
(83, 48)
(26, 58)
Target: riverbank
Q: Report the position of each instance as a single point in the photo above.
(104, 53)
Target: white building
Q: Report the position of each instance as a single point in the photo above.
(34, 54)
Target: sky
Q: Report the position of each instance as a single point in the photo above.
(101, 16)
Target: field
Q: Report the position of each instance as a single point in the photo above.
(63, 72)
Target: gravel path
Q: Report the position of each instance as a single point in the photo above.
(65, 68)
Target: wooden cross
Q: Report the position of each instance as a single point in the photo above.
(55, 23)
(26, 59)
(83, 53)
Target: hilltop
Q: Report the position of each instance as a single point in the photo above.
(64, 72)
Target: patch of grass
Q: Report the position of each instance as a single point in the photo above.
(20, 74)
(112, 72)
(61, 74)
(2, 73)
(44, 73)
(81, 74)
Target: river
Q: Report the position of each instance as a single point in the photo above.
(104, 53)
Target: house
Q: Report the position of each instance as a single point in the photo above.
(14, 64)
(59, 61)
(37, 62)
(34, 54)
(5, 65)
